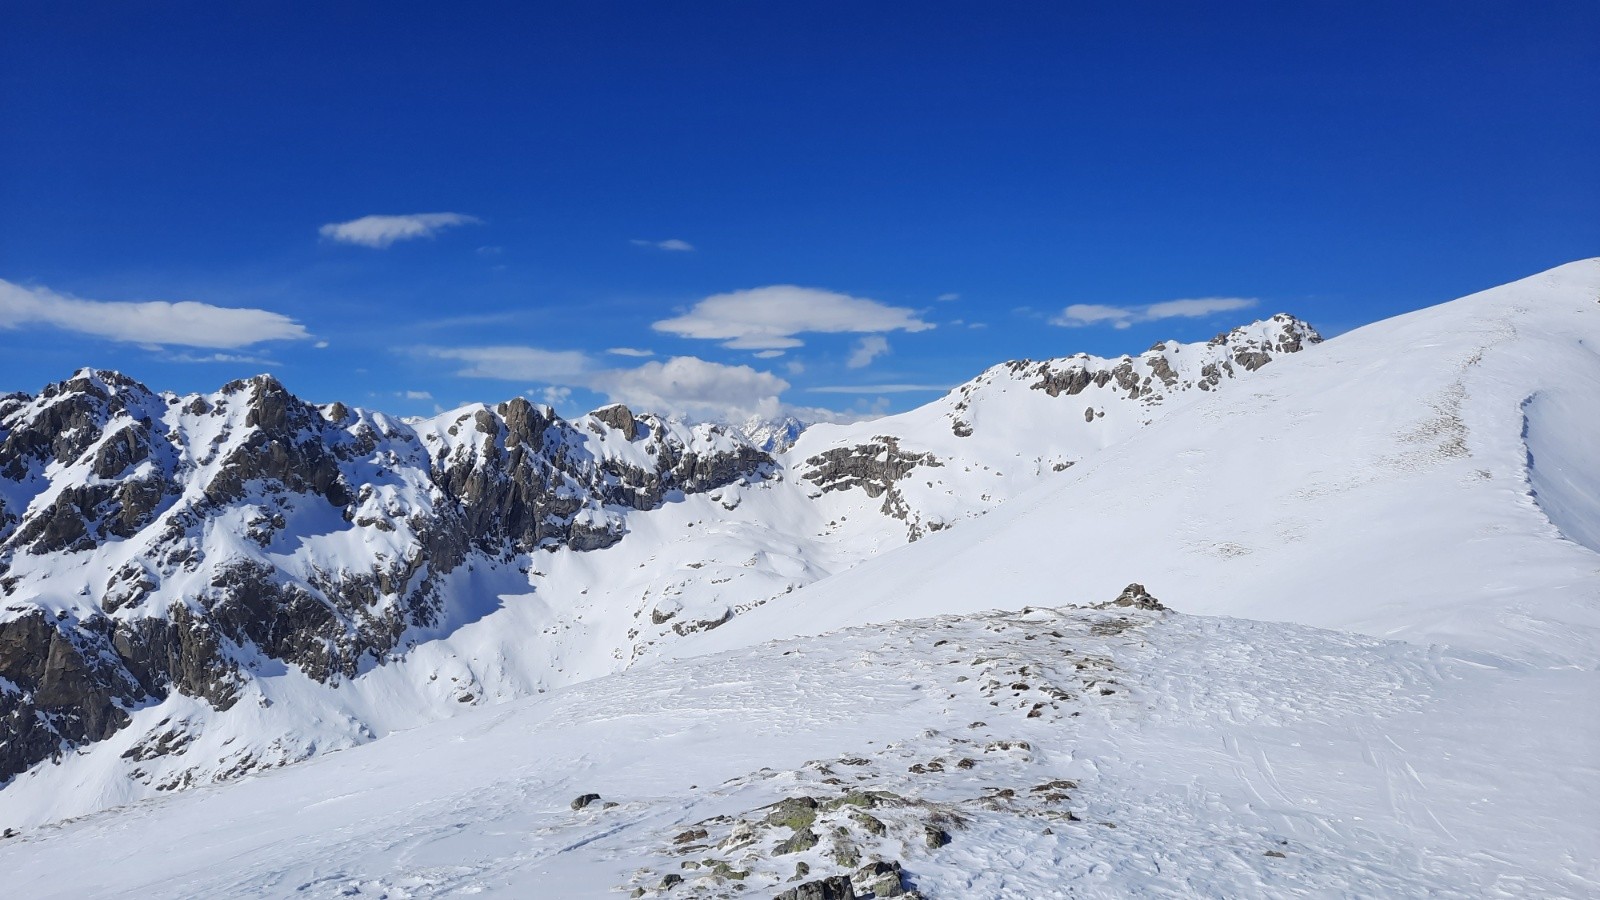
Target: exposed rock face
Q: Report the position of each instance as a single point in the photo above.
(195, 505)
(56, 689)
(619, 417)
(1152, 375)
(875, 468)
(1166, 369)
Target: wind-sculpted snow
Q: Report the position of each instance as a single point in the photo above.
(1043, 752)
(1562, 435)
(204, 586)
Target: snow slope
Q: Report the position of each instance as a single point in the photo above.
(1172, 755)
(1431, 477)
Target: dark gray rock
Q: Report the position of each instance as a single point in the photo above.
(66, 690)
(836, 887)
(1134, 595)
(880, 879)
(619, 417)
(803, 839)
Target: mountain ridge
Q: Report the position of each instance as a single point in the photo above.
(220, 544)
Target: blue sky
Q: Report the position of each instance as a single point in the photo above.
(819, 206)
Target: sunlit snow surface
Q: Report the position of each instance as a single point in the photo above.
(1196, 745)
(1429, 479)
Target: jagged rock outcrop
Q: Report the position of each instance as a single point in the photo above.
(194, 504)
(876, 468)
(1152, 375)
(1136, 597)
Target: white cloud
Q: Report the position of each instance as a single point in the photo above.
(670, 244)
(768, 318)
(947, 298)
(1080, 314)
(237, 358)
(877, 388)
(695, 388)
(381, 231)
(185, 323)
(416, 395)
(1093, 313)
(795, 367)
(515, 363)
(630, 351)
(768, 354)
(683, 385)
(866, 350)
(321, 345)
(1194, 309)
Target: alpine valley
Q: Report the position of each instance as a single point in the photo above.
(1260, 616)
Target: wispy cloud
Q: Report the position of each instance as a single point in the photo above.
(515, 363)
(235, 358)
(465, 321)
(877, 388)
(381, 231)
(1081, 314)
(186, 323)
(417, 395)
(768, 318)
(949, 298)
(630, 351)
(866, 350)
(673, 245)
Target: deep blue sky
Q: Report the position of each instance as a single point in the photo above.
(1341, 161)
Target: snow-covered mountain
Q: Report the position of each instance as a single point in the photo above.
(199, 587)
(773, 435)
(1381, 558)
(1434, 477)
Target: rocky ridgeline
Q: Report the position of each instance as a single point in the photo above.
(1158, 373)
(1141, 386)
(151, 543)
